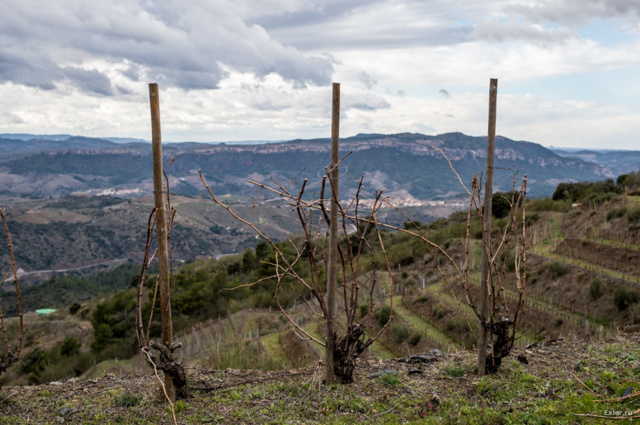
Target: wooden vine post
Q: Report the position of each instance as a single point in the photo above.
(333, 237)
(486, 234)
(161, 229)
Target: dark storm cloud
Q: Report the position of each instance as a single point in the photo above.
(89, 81)
(18, 70)
(183, 45)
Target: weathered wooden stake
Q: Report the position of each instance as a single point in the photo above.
(486, 237)
(333, 236)
(163, 254)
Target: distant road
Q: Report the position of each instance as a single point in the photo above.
(44, 273)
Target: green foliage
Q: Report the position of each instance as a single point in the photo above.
(510, 260)
(623, 297)
(630, 180)
(390, 380)
(439, 310)
(242, 355)
(126, 400)
(180, 406)
(35, 361)
(412, 225)
(62, 361)
(364, 309)
(382, 315)
(455, 371)
(73, 309)
(557, 269)
(414, 339)
(216, 229)
(633, 214)
(595, 289)
(70, 347)
(548, 204)
(249, 261)
(113, 322)
(400, 332)
(616, 212)
(61, 292)
(456, 325)
(578, 191)
(501, 203)
(401, 254)
(532, 218)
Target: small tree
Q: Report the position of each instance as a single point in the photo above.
(360, 239)
(175, 382)
(502, 321)
(499, 320)
(165, 359)
(12, 356)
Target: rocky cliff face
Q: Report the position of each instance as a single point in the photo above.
(412, 165)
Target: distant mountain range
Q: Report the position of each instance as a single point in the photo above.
(407, 165)
(619, 162)
(64, 137)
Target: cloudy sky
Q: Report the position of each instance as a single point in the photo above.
(262, 69)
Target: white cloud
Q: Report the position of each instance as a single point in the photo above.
(260, 69)
(502, 31)
(47, 42)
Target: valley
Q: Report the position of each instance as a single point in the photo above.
(81, 254)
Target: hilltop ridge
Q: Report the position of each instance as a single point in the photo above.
(406, 165)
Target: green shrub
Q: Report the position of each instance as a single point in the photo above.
(364, 309)
(382, 315)
(455, 372)
(400, 332)
(558, 269)
(617, 212)
(439, 310)
(459, 325)
(70, 347)
(595, 289)
(633, 215)
(126, 400)
(511, 261)
(531, 218)
(390, 380)
(73, 309)
(414, 339)
(548, 204)
(623, 297)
